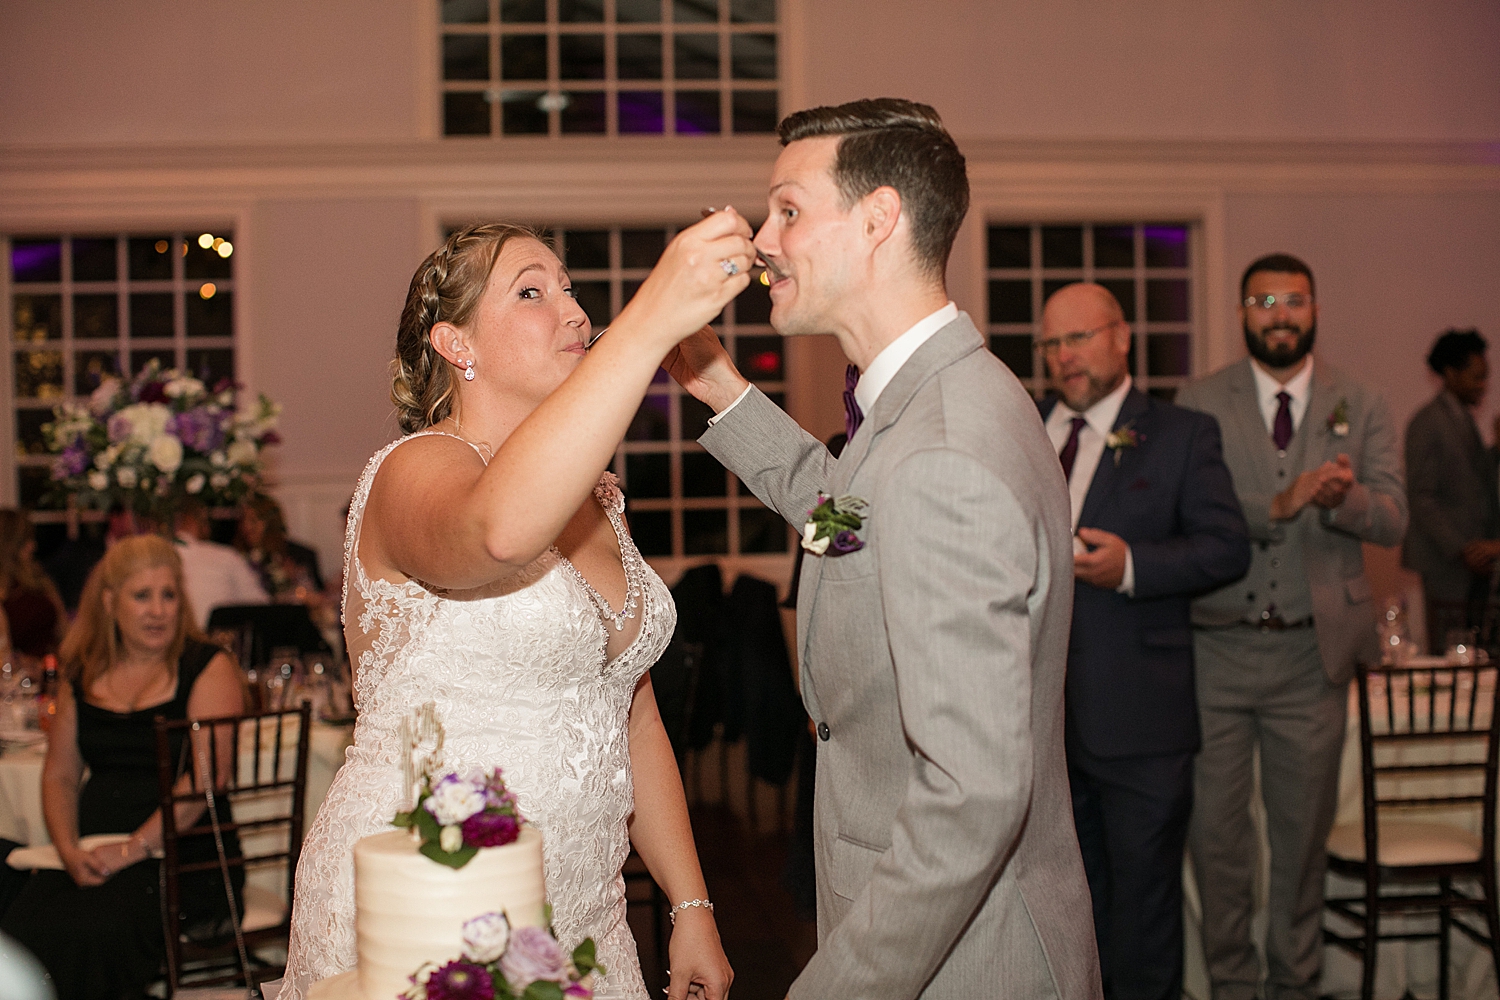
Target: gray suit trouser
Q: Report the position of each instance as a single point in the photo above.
(1266, 691)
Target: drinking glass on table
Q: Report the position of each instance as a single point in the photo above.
(283, 678)
(1459, 644)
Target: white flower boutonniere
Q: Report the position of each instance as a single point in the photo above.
(1125, 437)
(833, 524)
(1338, 420)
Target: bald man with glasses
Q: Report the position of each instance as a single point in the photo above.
(1316, 469)
(1156, 523)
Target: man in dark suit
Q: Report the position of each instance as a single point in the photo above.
(1157, 522)
(1450, 478)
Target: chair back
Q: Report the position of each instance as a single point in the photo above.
(267, 793)
(1428, 740)
(674, 679)
(260, 628)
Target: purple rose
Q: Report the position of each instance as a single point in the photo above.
(488, 829)
(460, 981)
(533, 954)
(847, 541)
(197, 429)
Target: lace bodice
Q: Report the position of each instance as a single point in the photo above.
(521, 678)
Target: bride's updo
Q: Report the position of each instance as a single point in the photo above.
(446, 288)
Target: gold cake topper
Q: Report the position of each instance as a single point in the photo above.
(419, 728)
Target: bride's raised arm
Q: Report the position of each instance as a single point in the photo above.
(549, 411)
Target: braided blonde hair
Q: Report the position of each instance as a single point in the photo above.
(446, 289)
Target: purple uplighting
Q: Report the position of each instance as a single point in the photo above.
(36, 260)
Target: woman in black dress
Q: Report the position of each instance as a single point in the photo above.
(132, 654)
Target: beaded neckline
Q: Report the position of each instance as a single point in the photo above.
(607, 493)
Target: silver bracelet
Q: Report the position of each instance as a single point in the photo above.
(692, 902)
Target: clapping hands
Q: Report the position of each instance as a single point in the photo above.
(1326, 486)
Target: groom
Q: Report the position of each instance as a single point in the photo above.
(933, 647)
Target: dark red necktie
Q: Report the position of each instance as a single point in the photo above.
(1281, 429)
(853, 416)
(1070, 450)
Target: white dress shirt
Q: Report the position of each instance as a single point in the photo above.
(1299, 387)
(887, 363)
(1091, 439)
(215, 576)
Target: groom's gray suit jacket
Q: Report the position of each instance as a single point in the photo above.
(932, 663)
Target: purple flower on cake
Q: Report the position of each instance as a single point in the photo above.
(486, 937)
(460, 981)
(533, 954)
(454, 799)
(487, 829)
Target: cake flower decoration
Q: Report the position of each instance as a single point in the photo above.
(499, 963)
(458, 814)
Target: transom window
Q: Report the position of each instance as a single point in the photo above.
(1149, 266)
(87, 306)
(608, 67)
(682, 502)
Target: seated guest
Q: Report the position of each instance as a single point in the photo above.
(1451, 478)
(132, 654)
(283, 565)
(1156, 523)
(34, 613)
(213, 575)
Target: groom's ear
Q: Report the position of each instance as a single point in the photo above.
(882, 213)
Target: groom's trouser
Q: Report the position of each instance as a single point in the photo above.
(1132, 820)
(1264, 690)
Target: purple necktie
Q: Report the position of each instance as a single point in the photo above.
(1281, 429)
(1070, 450)
(853, 416)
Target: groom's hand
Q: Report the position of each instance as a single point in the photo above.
(702, 367)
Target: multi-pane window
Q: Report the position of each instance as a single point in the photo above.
(87, 306)
(1149, 266)
(608, 67)
(682, 502)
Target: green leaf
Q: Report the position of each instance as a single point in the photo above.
(543, 989)
(584, 957)
(457, 859)
(427, 824)
(402, 820)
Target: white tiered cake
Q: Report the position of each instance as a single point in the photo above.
(410, 910)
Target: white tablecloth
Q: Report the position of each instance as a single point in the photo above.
(1401, 966)
(21, 789)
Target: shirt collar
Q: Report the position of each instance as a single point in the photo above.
(1102, 415)
(1297, 387)
(878, 375)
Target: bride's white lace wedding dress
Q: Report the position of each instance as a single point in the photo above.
(521, 681)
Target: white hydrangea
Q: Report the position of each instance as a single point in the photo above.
(147, 421)
(166, 453)
(241, 453)
(183, 385)
(454, 800)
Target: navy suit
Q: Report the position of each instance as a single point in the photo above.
(1132, 712)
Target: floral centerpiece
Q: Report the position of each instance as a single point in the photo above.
(503, 964)
(147, 444)
(458, 814)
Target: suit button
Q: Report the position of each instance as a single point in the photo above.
(823, 733)
(1250, 596)
(1275, 563)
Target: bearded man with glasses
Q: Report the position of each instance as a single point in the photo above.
(1315, 466)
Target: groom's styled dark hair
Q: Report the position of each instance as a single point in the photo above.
(889, 142)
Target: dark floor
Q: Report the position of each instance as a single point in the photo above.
(766, 942)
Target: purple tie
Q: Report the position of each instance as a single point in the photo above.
(853, 416)
(1281, 429)
(1070, 450)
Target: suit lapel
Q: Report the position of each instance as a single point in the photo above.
(1132, 414)
(1250, 424)
(1321, 401)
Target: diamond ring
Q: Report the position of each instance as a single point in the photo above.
(730, 267)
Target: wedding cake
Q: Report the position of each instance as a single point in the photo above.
(410, 910)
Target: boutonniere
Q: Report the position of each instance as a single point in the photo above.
(833, 524)
(1125, 437)
(1338, 420)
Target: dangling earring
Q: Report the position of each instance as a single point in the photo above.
(468, 369)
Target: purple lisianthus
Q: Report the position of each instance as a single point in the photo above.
(496, 795)
(488, 829)
(460, 981)
(847, 541)
(72, 462)
(119, 428)
(197, 429)
(533, 954)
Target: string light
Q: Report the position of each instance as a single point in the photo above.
(224, 247)
(161, 246)
(207, 290)
(206, 240)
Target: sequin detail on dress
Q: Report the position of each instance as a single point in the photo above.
(521, 678)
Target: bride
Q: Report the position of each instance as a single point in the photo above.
(488, 569)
